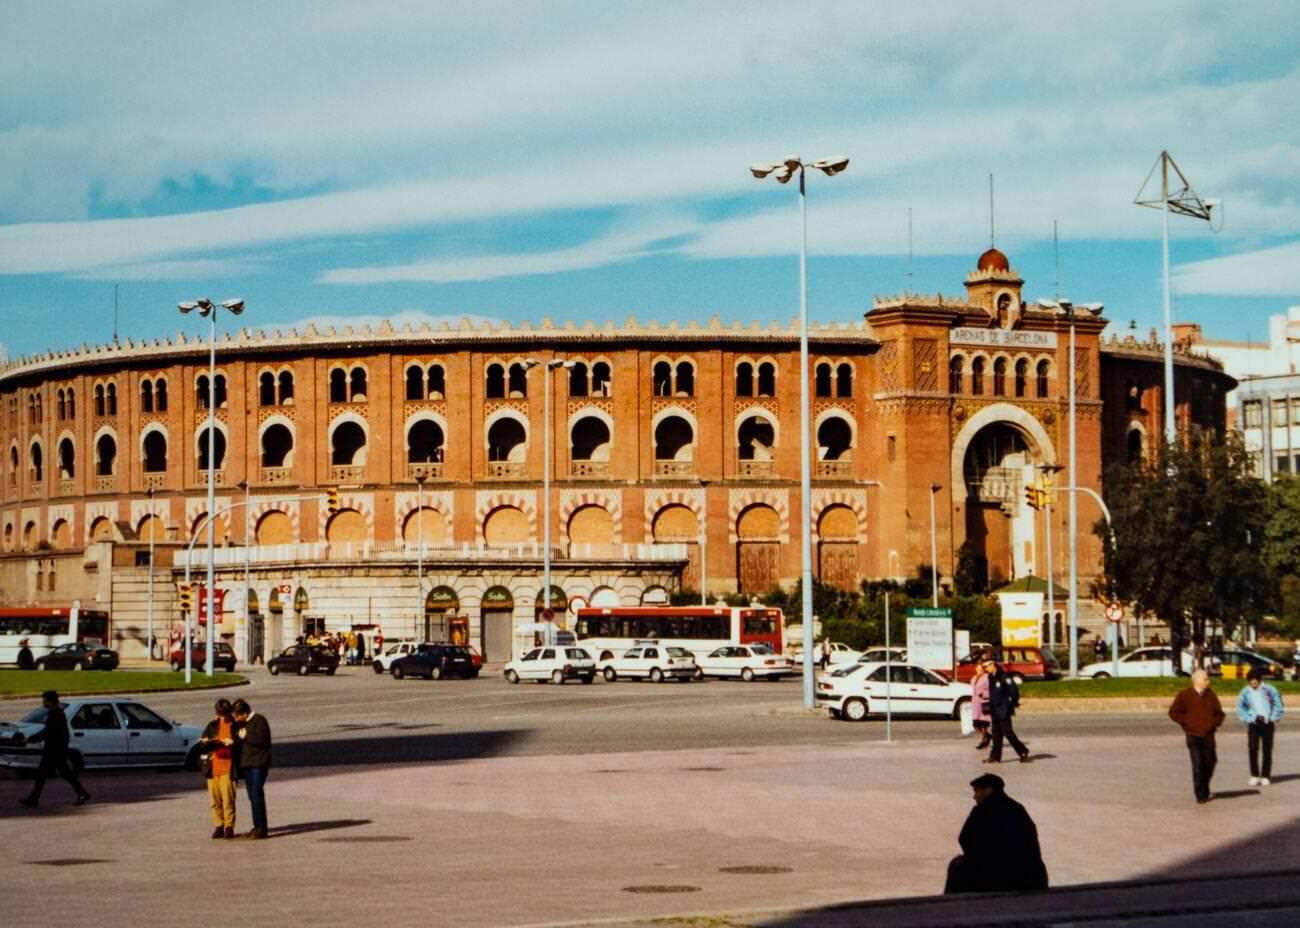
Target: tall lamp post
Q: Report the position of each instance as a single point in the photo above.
(1186, 202)
(704, 542)
(934, 549)
(420, 609)
(547, 367)
(248, 558)
(783, 171)
(208, 309)
(153, 530)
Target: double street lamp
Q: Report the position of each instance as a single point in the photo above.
(208, 309)
(784, 171)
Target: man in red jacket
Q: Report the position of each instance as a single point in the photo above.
(1197, 711)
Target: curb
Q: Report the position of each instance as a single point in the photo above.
(162, 689)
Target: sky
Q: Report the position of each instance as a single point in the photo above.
(584, 161)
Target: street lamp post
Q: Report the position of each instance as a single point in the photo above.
(783, 171)
(704, 542)
(934, 550)
(153, 529)
(245, 646)
(419, 554)
(547, 367)
(209, 309)
(1049, 471)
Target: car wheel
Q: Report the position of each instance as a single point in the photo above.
(397, 672)
(1018, 679)
(176, 667)
(855, 710)
(589, 678)
(512, 677)
(611, 674)
(274, 670)
(557, 676)
(435, 673)
(747, 675)
(330, 672)
(956, 709)
(656, 675)
(1101, 675)
(699, 674)
(192, 758)
(303, 670)
(379, 668)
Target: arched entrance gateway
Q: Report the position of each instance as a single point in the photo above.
(442, 616)
(498, 623)
(996, 455)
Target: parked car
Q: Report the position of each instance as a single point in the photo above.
(841, 653)
(856, 692)
(1144, 662)
(877, 655)
(554, 664)
(435, 661)
(223, 657)
(652, 661)
(1020, 664)
(106, 732)
(384, 661)
(78, 656)
(303, 659)
(746, 661)
(1236, 663)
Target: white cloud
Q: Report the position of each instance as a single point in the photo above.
(1267, 272)
(198, 269)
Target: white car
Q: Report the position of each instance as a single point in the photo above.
(650, 660)
(556, 664)
(105, 732)
(1144, 662)
(746, 661)
(877, 655)
(856, 692)
(384, 662)
(841, 653)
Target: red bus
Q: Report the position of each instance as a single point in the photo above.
(46, 627)
(606, 631)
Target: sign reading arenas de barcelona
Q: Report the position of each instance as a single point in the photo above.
(392, 480)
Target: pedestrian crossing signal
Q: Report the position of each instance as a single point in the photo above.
(331, 501)
(186, 597)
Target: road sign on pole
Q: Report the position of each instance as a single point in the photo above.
(1115, 613)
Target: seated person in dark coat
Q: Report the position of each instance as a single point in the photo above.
(999, 845)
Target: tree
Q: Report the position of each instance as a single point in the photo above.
(1282, 551)
(1188, 539)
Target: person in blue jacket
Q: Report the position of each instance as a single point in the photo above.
(1260, 707)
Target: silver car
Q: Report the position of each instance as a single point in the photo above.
(105, 732)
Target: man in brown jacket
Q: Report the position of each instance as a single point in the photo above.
(1197, 710)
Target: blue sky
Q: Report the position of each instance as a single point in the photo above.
(589, 160)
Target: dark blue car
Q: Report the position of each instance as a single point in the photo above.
(435, 661)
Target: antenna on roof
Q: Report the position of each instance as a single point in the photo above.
(991, 229)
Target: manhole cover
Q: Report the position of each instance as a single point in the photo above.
(365, 839)
(69, 862)
(756, 869)
(704, 769)
(669, 888)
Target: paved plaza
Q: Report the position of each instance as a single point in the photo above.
(478, 803)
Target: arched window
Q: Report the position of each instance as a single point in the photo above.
(956, 366)
(31, 409)
(745, 379)
(590, 440)
(414, 383)
(507, 441)
(578, 379)
(61, 407)
(755, 439)
(1022, 377)
(266, 389)
(834, 440)
(601, 380)
(160, 395)
(338, 385)
(844, 381)
(219, 391)
(518, 386)
(146, 396)
(110, 396)
(40, 408)
(977, 377)
(67, 459)
(358, 384)
(105, 456)
(437, 382)
(347, 445)
(1000, 377)
(218, 451)
(674, 440)
(72, 405)
(155, 453)
(685, 385)
(286, 388)
(277, 444)
(767, 379)
(662, 378)
(201, 395)
(496, 382)
(13, 465)
(1135, 446)
(424, 443)
(1132, 397)
(823, 380)
(1043, 368)
(38, 463)
(99, 398)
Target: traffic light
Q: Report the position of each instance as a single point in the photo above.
(331, 501)
(186, 593)
(1034, 496)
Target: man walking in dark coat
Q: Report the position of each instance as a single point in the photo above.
(1004, 697)
(54, 753)
(999, 844)
(1197, 711)
(253, 741)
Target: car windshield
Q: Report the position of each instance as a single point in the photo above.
(848, 671)
(576, 654)
(679, 652)
(761, 649)
(36, 716)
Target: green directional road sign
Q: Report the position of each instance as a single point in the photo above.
(929, 612)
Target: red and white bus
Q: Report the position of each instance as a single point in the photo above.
(46, 627)
(610, 630)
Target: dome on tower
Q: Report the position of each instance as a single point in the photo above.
(993, 260)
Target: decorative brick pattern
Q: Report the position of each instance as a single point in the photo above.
(609, 500)
(854, 499)
(889, 373)
(925, 365)
(487, 500)
(739, 500)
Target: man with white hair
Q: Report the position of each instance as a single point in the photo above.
(1197, 711)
